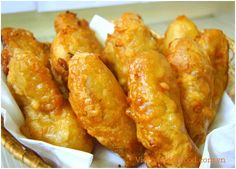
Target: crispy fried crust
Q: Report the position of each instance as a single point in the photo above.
(27, 79)
(100, 104)
(66, 19)
(201, 62)
(155, 108)
(196, 82)
(47, 116)
(131, 36)
(215, 44)
(181, 27)
(73, 35)
(21, 39)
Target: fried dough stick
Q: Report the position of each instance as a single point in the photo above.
(73, 35)
(155, 108)
(206, 56)
(47, 116)
(130, 37)
(100, 104)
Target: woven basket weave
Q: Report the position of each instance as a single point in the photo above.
(31, 159)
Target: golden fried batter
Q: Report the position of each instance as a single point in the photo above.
(100, 104)
(195, 78)
(59, 127)
(47, 116)
(215, 44)
(73, 35)
(67, 19)
(201, 62)
(19, 38)
(130, 37)
(155, 108)
(182, 27)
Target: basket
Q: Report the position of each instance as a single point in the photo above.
(31, 159)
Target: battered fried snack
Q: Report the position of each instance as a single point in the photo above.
(25, 62)
(73, 35)
(181, 27)
(155, 108)
(19, 38)
(67, 19)
(100, 104)
(130, 37)
(47, 116)
(196, 82)
(215, 44)
(201, 62)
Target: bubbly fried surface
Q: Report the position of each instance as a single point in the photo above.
(201, 62)
(32, 82)
(21, 39)
(215, 44)
(66, 19)
(181, 27)
(100, 104)
(73, 35)
(155, 108)
(131, 36)
(196, 82)
(47, 116)
(59, 127)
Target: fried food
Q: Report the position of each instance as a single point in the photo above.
(130, 37)
(201, 63)
(59, 127)
(215, 44)
(47, 116)
(100, 104)
(73, 35)
(181, 27)
(155, 108)
(19, 38)
(196, 82)
(67, 19)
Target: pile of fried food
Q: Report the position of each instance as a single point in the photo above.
(148, 99)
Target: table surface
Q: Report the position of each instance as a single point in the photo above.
(156, 15)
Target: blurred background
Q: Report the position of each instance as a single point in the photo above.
(38, 17)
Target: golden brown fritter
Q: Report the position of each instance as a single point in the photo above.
(100, 105)
(28, 81)
(196, 82)
(59, 127)
(73, 35)
(215, 44)
(201, 62)
(181, 27)
(19, 38)
(24, 60)
(155, 108)
(66, 19)
(47, 116)
(130, 37)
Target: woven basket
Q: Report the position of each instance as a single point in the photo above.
(31, 159)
